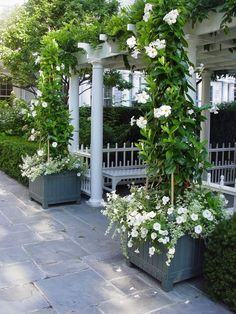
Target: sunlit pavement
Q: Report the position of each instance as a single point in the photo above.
(59, 261)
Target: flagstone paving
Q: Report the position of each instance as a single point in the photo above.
(58, 261)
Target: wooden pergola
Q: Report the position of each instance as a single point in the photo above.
(208, 45)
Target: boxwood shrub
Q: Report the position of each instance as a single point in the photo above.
(220, 263)
(11, 150)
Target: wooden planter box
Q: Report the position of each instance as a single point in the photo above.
(186, 264)
(55, 188)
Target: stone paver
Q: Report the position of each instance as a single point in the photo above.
(58, 261)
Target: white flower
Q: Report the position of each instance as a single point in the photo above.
(78, 174)
(144, 232)
(137, 251)
(148, 7)
(40, 73)
(132, 121)
(62, 66)
(58, 68)
(39, 93)
(37, 60)
(164, 110)
(151, 214)
(165, 200)
(151, 52)
(35, 54)
(142, 98)
(198, 229)
(141, 122)
(191, 70)
(135, 53)
(34, 113)
(134, 233)
(171, 17)
(164, 232)
(146, 16)
(182, 210)
(33, 131)
(54, 144)
(40, 152)
(44, 104)
(130, 243)
(179, 220)
(157, 226)
(151, 251)
(131, 42)
(171, 251)
(170, 210)
(194, 217)
(153, 235)
(190, 112)
(207, 214)
(32, 138)
(23, 111)
(158, 44)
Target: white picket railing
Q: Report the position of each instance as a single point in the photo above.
(125, 157)
(221, 187)
(223, 160)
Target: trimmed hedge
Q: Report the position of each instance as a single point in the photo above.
(116, 125)
(11, 150)
(220, 263)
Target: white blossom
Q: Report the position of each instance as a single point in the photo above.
(198, 229)
(171, 251)
(163, 111)
(54, 144)
(32, 138)
(39, 93)
(44, 104)
(130, 243)
(131, 42)
(164, 232)
(37, 60)
(158, 44)
(179, 220)
(182, 210)
(207, 214)
(141, 122)
(134, 233)
(191, 70)
(40, 152)
(170, 210)
(33, 113)
(58, 68)
(157, 226)
(151, 251)
(137, 251)
(132, 121)
(165, 200)
(190, 112)
(153, 235)
(142, 97)
(151, 51)
(135, 53)
(194, 217)
(171, 17)
(148, 7)
(146, 16)
(144, 232)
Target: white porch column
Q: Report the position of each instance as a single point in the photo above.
(74, 111)
(206, 125)
(97, 135)
(192, 55)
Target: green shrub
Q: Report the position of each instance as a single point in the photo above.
(12, 120)
(116, 128)
(220, 263)
(11, 150)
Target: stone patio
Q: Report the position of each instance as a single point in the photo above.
(59, 261)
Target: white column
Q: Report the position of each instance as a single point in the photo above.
(192, 55)
(74, 111)
(206, 125)
(96, 135)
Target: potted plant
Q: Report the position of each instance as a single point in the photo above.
(163, 223)
(53, 172)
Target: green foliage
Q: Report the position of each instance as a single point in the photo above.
(11, 151)
(220, 261)
(113, 78)
(116, 125)
(12, 119)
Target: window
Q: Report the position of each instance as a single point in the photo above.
(107, 96)
(5, 89)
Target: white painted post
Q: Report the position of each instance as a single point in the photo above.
(97, 135)
(192, 55)
(74, 111)
(205, 125)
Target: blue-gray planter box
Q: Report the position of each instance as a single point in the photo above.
(56, 188)
(186, 264)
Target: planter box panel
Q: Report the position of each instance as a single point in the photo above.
(56, 188)
(186, 264)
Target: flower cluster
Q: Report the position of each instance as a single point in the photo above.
(142, 97)
(171, 17)
(153, 47)
(163, 111)
(147, 12)
(147, 216)
(37, 165)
